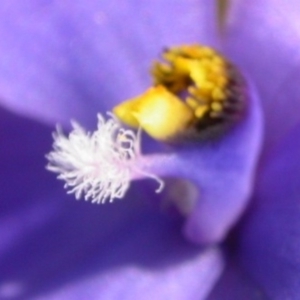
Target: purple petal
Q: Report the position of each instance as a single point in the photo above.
(66, 59)
(263, 38)
(192, 279)
(235, 284)
(53, 247)
(223, 171)
(270, 238)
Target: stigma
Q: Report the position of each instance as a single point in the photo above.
(196, 94)
(98, 166)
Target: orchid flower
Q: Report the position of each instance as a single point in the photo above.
(225, 226)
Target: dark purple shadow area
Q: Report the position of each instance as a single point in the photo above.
(23, 144)
(48, 239)
(270, 232)
(235, 284)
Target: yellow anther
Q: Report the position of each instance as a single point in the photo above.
(159, 112)
(200, 111)
(192, 103)
(191, 91)
(217, 69)
(198, 75)
(124, 112)
(221, 81)
(207, 51)
(183, 65)
(218, 60)
(218, 94)
(165, 68)
(216, 106)
(207, 85)
(205, 64)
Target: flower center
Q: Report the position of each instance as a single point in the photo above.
(197, 93)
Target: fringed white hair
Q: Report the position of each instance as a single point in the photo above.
(96, 165)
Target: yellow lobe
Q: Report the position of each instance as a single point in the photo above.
(124, 112)
(160, 113)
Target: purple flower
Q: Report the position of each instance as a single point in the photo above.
(66, 59)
